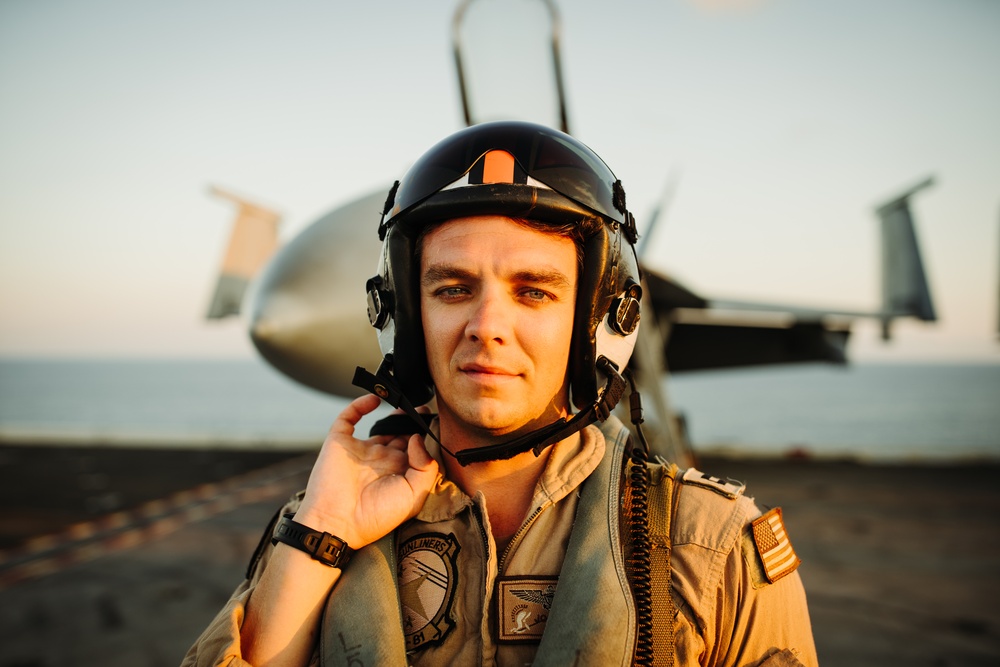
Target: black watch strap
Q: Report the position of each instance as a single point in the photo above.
(324, 547)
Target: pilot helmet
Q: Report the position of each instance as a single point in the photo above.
(520, 170)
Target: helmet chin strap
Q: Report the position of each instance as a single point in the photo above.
(383, 385)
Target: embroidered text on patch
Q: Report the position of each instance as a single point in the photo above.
(427, 584)
(524, 604)
(775, 550)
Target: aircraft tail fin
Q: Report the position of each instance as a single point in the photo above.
(527, 82)
(253, 240)
(904, 282)
(659, 213)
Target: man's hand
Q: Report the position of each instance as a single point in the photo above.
(360, 490)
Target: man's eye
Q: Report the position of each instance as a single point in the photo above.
(452, 291)
(536, 294)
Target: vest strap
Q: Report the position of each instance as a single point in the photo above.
(663, 494)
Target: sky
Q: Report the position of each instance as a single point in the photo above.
(783, 124)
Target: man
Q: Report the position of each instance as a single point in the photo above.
(510, 531)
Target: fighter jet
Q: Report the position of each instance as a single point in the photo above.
(306, 308)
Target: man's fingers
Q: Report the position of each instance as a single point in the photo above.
(396, 442)
(417, 453)
(352, 414)
(423, 468)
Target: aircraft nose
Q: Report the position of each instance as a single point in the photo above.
(307, 311)
(305, 341)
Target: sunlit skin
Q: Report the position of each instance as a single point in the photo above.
(497, 301)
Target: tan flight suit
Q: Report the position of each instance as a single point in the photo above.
(436, 592)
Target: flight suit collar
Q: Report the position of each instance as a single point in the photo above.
(592, 619)
(570, 462)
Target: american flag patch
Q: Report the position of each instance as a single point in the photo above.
(775, 550)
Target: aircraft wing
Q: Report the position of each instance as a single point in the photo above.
(699, 334)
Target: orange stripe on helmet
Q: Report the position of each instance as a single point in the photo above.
(498, 167)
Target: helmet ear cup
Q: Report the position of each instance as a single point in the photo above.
(410, 358)
(619, 328)
(608, 292)
(394, 309)
(379, 302)
(591, 304)
(623, 318)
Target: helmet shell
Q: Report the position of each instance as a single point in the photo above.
(519, 170)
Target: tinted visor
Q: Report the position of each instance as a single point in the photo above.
(558, 160)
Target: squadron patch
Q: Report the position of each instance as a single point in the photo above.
(523, 607)
(427, 584)
(775, 551)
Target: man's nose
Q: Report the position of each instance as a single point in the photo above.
(491, 318)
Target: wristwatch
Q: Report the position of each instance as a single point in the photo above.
(324, 547)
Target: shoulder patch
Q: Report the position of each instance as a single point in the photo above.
(428, 567)
(773, 546)
(727, 487)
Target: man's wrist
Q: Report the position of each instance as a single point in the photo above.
(334, 524)
(319, 545)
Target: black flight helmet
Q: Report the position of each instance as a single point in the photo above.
(520, 170)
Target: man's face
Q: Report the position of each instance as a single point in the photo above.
(497, 301)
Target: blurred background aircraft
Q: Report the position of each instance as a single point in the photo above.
(777, 126)
(787, 122)
(305, 314)
(783, 125)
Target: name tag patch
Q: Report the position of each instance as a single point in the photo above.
(524, 604)
(728, 487)
(427, 584)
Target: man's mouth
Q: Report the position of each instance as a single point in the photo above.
(485, 370)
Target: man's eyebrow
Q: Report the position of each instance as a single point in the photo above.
(440, 272)
(551, 277)
(444, 272)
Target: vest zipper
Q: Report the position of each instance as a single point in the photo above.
(478, 515)
(476, 512)
(518, 535)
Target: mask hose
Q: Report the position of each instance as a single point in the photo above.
(637, 561)
(383, 385)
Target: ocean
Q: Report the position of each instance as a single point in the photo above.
(884, 412)
(870, 411)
